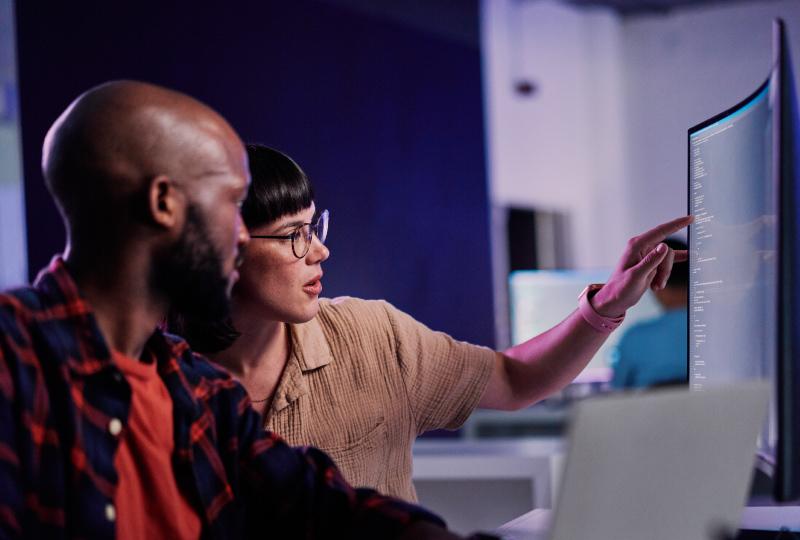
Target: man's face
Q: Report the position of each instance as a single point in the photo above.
(193, 275)
(199, 272)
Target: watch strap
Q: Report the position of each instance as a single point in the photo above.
(595, 320)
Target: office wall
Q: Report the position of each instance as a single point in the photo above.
(559, 148)
(386, 120)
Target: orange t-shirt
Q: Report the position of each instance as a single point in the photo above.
(148, 502)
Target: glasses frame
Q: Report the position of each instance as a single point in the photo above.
(313, 231)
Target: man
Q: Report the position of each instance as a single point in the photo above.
(110, 429)
(654, 353)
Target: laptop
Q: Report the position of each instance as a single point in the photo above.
(662, 464)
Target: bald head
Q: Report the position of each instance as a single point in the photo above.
(103, 151)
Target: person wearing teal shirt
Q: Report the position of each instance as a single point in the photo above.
(654, 353)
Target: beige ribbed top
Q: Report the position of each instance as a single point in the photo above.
(364, 379)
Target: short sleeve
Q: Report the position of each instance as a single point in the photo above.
(444, 378)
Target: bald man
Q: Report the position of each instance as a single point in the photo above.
(108, 428)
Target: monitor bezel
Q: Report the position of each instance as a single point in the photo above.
(787, 473)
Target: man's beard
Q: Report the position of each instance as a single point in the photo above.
(191, 274)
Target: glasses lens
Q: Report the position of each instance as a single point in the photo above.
(302, 238)
(301, 241)
(322, 227)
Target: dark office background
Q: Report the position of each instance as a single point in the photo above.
(385, 118)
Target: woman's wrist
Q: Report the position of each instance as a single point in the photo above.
(592, 315)
(603, 304)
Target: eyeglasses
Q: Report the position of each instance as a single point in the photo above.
(303, 236)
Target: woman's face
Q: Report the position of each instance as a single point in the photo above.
(273, 283)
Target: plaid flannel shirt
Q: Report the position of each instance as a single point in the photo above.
(60, 395)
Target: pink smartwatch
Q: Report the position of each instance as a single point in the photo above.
(595, 320)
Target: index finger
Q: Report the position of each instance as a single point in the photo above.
(656, 235)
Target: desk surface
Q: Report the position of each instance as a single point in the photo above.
(771, 518)
(534, 524)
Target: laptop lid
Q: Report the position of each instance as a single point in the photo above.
(663, 464)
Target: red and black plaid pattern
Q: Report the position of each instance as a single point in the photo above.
(60, 394)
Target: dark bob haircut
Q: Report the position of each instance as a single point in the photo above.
(278, 188)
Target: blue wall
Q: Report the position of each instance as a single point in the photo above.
(386, 121)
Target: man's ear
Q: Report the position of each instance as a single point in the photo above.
(166, 202)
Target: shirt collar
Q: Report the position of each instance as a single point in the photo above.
(310, 351)
(65, 302)
(309, 345)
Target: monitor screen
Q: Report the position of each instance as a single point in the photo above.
(743, 248)
(733, 249)
(540, 299)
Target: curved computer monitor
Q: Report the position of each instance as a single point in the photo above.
(744, 244)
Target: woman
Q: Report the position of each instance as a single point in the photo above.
(360, 379)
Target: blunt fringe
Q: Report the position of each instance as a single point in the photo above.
(278, 188)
